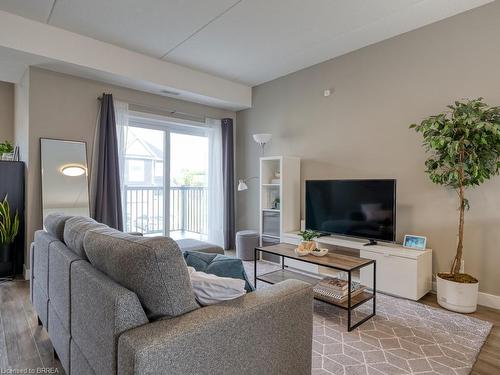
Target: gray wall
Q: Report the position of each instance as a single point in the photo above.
(6, 111)
(361, 131)
(65, 107)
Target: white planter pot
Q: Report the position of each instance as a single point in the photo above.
(459, 297)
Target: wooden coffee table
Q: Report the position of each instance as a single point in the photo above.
(332, 260)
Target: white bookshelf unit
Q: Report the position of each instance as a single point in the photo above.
(279, 182)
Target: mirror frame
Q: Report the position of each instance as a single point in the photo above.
(41, 169)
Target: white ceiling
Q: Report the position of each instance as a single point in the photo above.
(250, 41)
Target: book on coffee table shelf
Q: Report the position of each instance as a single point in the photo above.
(335, 289)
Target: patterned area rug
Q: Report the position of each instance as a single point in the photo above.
(405, 337)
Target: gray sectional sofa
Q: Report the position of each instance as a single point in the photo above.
(114, 303)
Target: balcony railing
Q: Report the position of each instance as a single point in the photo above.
(144, 209)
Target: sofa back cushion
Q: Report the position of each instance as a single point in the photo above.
(40, 265)
(54, 224)
(101, 310)
(153, 268)
(74, 232)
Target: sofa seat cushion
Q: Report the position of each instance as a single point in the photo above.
(219, 265)
(54, 224)
(152, 267)
(189, 244)
(74, 232)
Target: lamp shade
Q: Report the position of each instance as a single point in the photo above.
(242, 185)
(262, 139)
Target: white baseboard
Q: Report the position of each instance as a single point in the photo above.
(489, 300)
(26, 272)
(483, 299)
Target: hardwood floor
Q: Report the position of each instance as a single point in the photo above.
(24, 344)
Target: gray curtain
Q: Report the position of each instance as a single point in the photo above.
(228, 182)
(107, 203)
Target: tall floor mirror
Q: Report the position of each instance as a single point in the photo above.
(65, 187)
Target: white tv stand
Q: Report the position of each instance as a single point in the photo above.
(401, 272)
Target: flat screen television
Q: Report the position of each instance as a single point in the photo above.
(356, 208)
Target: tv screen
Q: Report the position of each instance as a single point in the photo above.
(357, 208)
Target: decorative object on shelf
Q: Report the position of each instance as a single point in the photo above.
(335, 290)
(9, 227)
(319, 252)
(6, 151)
(16, 153)
(308, 243)
(276, 203)
(242, 183)
(414, 242)
(465, 152)
(262, 140)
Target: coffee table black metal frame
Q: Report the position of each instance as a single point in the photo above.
(349, 306)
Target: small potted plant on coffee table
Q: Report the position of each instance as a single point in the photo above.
(9, 227)
(465, 152)
(307, 244)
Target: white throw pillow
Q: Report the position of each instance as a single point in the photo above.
(210, 289)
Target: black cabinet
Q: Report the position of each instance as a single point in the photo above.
(12, 183)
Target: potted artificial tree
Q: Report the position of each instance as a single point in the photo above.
(465, 152)
(9, 227)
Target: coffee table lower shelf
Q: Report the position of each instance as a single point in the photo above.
(275, 277)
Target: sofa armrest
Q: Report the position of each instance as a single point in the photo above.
(264, 332)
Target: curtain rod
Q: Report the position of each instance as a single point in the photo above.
(164, 110)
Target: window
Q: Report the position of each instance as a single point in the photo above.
(166, 170)
(135, 171)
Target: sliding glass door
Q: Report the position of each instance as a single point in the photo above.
(143, 182)
(188, 186)
(165, 170)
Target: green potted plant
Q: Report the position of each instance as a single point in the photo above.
(9, 228)
(5, 148)
(307, 244)
(464, 144)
